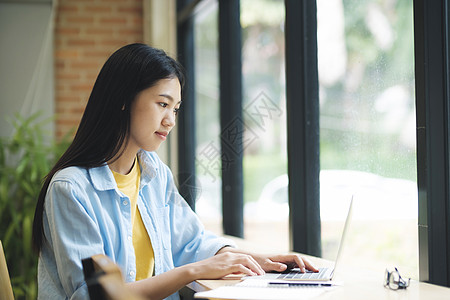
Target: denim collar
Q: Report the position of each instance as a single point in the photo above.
(102, 178)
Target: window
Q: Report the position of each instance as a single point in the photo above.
(368, 131)
(264, 111)
(367, 95)
(208, 155)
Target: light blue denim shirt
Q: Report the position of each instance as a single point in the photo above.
(86, 214)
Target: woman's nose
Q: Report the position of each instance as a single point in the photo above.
(169, 120)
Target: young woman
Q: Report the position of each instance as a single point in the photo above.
(109, 193)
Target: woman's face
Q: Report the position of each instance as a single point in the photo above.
(153, 114)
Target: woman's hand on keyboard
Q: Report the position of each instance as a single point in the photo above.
(280, 263)
(277, 263)
(226, 263)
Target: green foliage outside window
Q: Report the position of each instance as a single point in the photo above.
(25, 159)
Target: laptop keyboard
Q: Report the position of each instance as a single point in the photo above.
(298, 275)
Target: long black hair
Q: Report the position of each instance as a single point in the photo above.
(105, 125)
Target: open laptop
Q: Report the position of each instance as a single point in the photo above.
(294, 275)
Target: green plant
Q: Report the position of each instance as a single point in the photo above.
(25, 158)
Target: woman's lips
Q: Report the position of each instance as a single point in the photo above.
(162, 135)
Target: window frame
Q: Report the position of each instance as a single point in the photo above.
(302, 101)
(186, 119)
(432, 59)
(231, 119)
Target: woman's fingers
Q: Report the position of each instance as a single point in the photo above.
(248, 262)
(304, 264)
(288, 261)
(309, 266)
(254, 263)
(239, 268)
(226, 263)
(299, 261)
(275, 266)
(230, 263)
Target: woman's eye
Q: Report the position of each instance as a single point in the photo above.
(176, 110)
(162, 104)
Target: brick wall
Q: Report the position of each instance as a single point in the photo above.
(86, 33)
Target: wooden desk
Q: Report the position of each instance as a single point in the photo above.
(358, 283)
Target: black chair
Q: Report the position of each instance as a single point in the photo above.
(104, 279)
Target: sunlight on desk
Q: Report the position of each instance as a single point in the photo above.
(240, 291)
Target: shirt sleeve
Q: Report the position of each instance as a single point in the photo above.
(72, 234)
(190, 241)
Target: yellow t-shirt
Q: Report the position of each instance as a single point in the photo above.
(145, 258)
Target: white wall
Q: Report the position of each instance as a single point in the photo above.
(26, 60)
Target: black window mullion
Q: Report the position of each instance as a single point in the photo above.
(431, 34)
(231, 121)
(186, 119)
(302, 100)
(446, 26)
